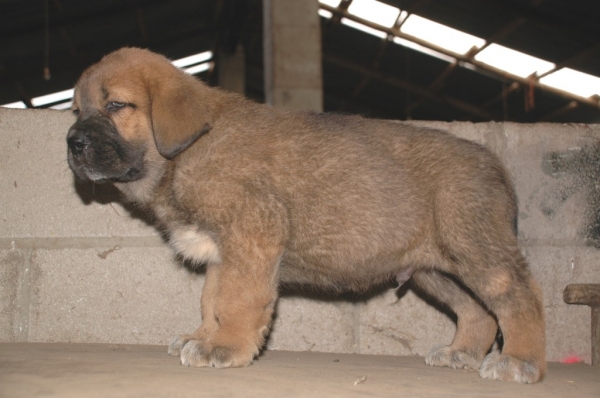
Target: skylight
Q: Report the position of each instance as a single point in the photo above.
(573, 81)
(197, 64)
(331, 3)
(16, 105)
(62, 106)
(374, 11)
(364, 28)
(198, 68)
(512, 61)
(193, 59)
(52, 98)
(325, 13)
(424, 50)
(440, 35)
(445, 37)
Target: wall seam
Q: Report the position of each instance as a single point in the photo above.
(79, 243)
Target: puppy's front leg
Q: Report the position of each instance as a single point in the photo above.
(237, 303)
(209, 324)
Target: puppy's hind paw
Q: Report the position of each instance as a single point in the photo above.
(456, 359)
(506, 368)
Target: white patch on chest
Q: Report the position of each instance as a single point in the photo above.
(194, 245)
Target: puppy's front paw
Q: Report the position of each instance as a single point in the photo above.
(506, 368)
(194, 353)
(199, 354)
(456, 359)
(176, 345)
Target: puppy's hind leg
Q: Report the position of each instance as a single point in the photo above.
(507, 288)
(476, 236)
(475, 329)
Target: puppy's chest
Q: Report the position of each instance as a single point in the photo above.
(194, 244)
(186, 237)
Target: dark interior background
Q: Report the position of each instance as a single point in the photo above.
(362, 74)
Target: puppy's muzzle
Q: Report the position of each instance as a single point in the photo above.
(89, 131)
(98, 153)
(77, 141)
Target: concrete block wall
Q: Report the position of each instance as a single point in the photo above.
(77, 266)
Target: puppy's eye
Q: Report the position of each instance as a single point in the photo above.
(114, 106)
(76, 112)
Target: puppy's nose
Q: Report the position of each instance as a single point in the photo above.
(77, 141)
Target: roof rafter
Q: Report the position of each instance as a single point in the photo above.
(467, 59)
(397, 82)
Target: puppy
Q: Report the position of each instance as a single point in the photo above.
(265, 196)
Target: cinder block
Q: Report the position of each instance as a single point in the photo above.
(555, 182)
(127, 295)
(38, 196)
(568, 326)
(406, 326)
(12, 262)
(304, 324)
(477, 132)
(553, 170)
(88, 292)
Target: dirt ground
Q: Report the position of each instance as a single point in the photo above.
(103, 370)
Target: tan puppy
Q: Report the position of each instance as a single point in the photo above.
(264, 196)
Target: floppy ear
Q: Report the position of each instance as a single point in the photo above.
(180, 113)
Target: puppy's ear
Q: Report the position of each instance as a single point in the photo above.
(180, 114)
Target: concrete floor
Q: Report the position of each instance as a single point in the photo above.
(103, 370)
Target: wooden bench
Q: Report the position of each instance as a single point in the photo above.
(587, 294)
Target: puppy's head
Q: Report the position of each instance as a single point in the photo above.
(134, 110)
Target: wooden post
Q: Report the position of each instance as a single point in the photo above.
(588, 294)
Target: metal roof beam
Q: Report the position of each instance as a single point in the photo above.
(582, 55)
(466, 59)
(498, 35)
(400, 83)
(433, 86)
(508, 28)
(25, 97)
(559, 112)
